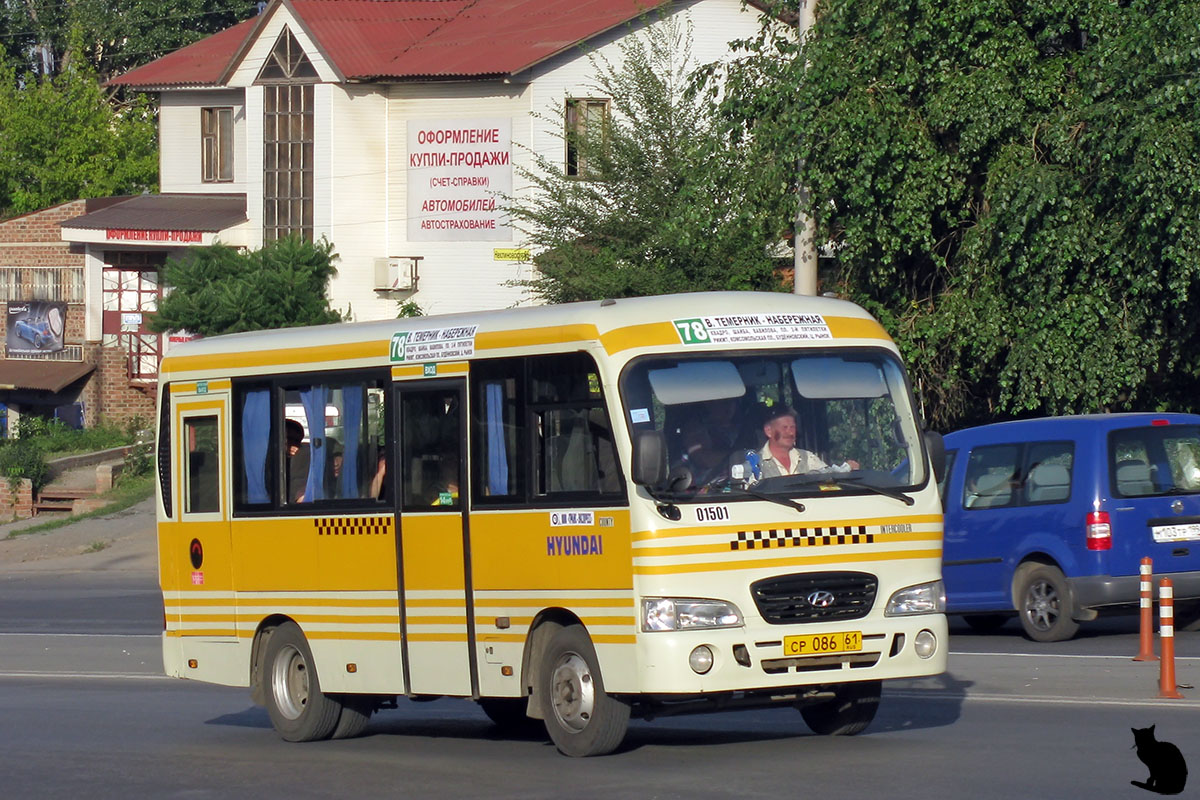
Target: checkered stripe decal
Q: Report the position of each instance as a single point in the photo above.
(354, 526)
(801, 537)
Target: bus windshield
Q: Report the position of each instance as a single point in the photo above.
(788, 423)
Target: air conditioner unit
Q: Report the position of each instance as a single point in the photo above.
(396, 273)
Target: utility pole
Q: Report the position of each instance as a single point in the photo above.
(805, 270)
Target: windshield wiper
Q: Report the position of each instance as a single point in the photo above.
(783, 501)
(839, 480)
(858, 482)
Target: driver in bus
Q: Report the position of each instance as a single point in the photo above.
(780, 456)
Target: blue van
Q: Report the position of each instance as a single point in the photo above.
(1051, 517)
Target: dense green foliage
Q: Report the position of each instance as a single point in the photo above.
(666, 205)
(113, 35)
(1011, 186)
(219, 289)
(60, 139)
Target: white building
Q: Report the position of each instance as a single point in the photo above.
(386, 126)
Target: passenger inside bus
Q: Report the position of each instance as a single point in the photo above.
(297, 461)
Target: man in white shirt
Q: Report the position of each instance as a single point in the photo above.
(780, 456)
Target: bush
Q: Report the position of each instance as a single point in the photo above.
(20, 460)
(53, 436)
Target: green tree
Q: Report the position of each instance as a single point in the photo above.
(1012, 186)
(60, 140)
(114, 35)
(219, 289)
(661, 206)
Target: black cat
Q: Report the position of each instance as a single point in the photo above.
(1168, 772)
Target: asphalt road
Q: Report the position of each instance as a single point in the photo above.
(86, 712)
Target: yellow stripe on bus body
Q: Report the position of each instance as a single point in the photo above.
(437, 620)
(668, 533)
(417, 370)
(436, 602)
(552, 602)
(355, 636)
(349, 351)
(851, 553)
(533, 337)
(189, 387)
(763, 563)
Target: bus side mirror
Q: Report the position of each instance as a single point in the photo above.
(936, 447)
(649, 458)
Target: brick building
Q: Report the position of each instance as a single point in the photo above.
(65, 371)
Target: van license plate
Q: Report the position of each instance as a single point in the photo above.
(1176, 533)
(817, 643)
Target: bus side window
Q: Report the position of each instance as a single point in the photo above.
(430, 441)
(574, 435)
(203, 469)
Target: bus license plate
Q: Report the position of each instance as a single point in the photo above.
(817, 643)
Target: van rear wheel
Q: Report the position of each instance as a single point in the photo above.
(1044, 603)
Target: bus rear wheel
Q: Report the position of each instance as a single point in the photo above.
(581, 719)
(298, 709)
(849, 711)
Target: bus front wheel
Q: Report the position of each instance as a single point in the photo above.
(848, 712)
(298, 709)
(581, 719)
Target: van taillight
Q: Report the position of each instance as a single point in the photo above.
(1099, 532)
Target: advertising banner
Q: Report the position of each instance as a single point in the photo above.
(35, 327)
(457, 170)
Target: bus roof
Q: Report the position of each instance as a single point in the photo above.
(617, 325)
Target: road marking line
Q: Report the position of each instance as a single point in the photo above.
(1060, 655)
(91, 635)
(139, 676)
(1048, 700)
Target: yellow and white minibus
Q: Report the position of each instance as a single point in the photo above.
(571, 513)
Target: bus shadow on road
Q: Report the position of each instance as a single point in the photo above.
(252, 717)
(911, 705)
(933, 702)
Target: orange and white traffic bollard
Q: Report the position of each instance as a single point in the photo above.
(1146, 638)
(1166, 631)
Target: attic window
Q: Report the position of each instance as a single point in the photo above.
(287, 61)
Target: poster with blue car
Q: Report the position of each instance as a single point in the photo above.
(35, 327)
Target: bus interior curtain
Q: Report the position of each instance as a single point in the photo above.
(352, 405)
(497, 457)
(313, 399)
(256, 435)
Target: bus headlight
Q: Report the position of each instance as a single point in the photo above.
(677, 614)
(925, 598)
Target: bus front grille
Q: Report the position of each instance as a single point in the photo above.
(815, 597)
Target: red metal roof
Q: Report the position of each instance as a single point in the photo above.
(408, 39)
(199, 64)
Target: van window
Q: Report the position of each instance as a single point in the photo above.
(1048, 472)
(991, 476)
(1155, 460)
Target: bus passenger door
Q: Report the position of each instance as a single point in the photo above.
(438, 626)
(198, 592)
